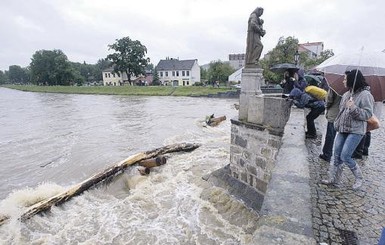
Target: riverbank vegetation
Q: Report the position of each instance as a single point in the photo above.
(124, 90)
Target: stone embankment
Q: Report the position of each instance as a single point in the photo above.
(298, 209)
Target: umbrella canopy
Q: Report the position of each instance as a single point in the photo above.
(371, 64)
(313, 80)
(283, 67)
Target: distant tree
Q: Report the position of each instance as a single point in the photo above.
(51, 67)
(149, 67)
(282, 53)
(155, 78)
(129, 57)
(204, 74)
(101, 65)
(3, 77)
(18, 75)
(219, 71)
(84, 72)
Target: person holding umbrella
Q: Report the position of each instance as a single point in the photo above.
(355, 109)
(287, 83)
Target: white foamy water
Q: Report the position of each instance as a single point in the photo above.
(65, 139)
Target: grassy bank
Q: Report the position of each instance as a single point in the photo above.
(123, 90)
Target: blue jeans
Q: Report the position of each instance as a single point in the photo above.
(363, 146)
(327, 149)
(344, 146)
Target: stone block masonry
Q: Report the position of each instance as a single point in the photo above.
(253, 152)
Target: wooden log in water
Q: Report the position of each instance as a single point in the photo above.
(214, 121)
(99, 177)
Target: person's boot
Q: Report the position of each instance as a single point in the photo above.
(335, 174)
(358, 175)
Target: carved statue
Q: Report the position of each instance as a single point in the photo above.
(254, 33)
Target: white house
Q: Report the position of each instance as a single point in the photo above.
(175, 72)
(113, 79)
(313, 49)
(236, 76)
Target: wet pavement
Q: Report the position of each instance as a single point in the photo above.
(341, 215)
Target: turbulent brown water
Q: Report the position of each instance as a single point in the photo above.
(49, 142)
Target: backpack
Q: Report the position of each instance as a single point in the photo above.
(316, 92)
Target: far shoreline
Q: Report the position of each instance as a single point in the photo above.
(189, 91)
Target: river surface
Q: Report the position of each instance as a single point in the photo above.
(49, 142)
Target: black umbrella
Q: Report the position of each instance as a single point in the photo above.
(284, 67)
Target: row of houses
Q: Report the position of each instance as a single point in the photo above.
(175, 72)
(171, 72)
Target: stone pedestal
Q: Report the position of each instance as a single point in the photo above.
(254, 107)
(256, 135)
(272, 112)
(252, 79)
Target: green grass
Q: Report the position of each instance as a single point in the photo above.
(123, 90)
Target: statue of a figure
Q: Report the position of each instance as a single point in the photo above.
(254, 33)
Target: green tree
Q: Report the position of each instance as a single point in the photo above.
(51, 68)
(19, 75)
(129, 57)
(219, 71)
(204, 74)
(84, 72)
(155, 77)
(283, 52)
(3, 77)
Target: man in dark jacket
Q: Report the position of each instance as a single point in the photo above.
(332, 108)
(304, 100)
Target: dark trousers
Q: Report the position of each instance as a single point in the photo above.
(327, 149)
(313, 114)
(363, 146)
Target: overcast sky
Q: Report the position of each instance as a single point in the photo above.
(206, 30)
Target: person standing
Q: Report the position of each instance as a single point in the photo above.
(254, 33)
(332, 108)
(355, 109)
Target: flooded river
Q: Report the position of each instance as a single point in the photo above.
(49, 142)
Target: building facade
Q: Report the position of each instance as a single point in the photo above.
(236, 76)
(237, 61)
(111, 78)
(313, 49)
(175, 72)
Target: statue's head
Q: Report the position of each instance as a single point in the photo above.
(258, 11)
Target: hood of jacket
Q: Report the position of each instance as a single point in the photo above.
(296, 93)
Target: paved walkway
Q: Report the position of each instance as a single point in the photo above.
(344, 216)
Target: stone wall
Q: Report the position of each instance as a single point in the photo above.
(253, 153)
(256, 134)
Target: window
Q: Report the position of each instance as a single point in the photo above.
(118, 74)
(183, 73)
(161, 74)
(109, 74)
(113, 74)
(177, 73)
(166, 73)
(105, 75)
(173, 73)
(188, 73)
